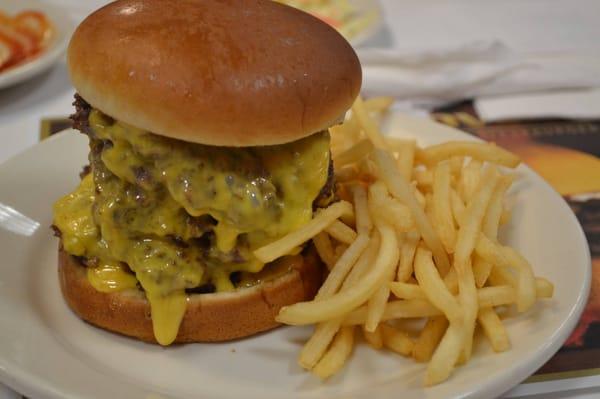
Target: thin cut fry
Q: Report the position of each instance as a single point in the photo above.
(339, 250)
(398, 214)
(324, 332)
(344, 302)
(342, 267)
(411, 308)
(445, 356)
(285, 245)
(434, 288)
(362, 116)
(424, 178)
(458, 207)
(403, 309)
(324, 249)
(469, 180)
(430, 337)
(481, 151)
(341, 232)
(426, 217)
(407, 291)
(544, 288)
(407, 254)
(465, 243)
(508, 257)
(376, 304)
(364, 263)
(442, 211)
(402, 190)
(316, 346)
(364, 224)
(491, 222)
(502, 276)
(396, 340)
(374, 338)
(481, 270)
(494, 329)
(336, 356)
(353, 154)
(406, 158)
(378, 104)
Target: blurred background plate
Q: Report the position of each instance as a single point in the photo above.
(358, 20)
(370, 12)
(63, 25)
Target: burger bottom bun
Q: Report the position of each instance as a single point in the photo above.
(208, 317)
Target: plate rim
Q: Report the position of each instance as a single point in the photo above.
(19, 379)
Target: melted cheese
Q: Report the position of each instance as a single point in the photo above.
(111, 277)
(219, 203)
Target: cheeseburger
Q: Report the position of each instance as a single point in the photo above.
(207, 123)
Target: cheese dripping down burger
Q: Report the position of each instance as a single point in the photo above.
(207, 122)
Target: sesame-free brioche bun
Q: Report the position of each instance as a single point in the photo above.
(226, 73)
(208, 317)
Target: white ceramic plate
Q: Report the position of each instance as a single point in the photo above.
(47, 352)
(64, 27)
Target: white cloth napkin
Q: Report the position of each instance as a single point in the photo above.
(482, 68)
(435, 52)
(580, 104)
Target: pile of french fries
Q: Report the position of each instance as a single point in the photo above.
(415, 236)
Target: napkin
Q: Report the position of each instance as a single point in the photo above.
(481, 68)
(572, 104)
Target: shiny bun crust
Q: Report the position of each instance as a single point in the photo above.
(226, 73)
(208, 317)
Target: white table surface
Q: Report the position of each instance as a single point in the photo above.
(50, 95)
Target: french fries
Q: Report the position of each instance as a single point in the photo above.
(336, 356)
(286, 245)
(415, 238)
(484, 152)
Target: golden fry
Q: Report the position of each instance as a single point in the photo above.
(407, 254)
(342, 267)
(402, 190)
(336, 356)
(378, 104)
(343, 302)
(494, 329)
(341, 232)
(409, 211)
(465, 244)
(354, 154)
(442, 211)
(477, 150)
(324, 248)
(374, 338)
(507, 257)
(316, 346)
(469, 180)
(445, 356)
(396, 340)
(481, 270)
(406, 158)
(372, 131)
(430, 337)
(434, 288)
(406, 291)
(320, 221)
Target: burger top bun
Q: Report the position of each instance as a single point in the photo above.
(226, 73)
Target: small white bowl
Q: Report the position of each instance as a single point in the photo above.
(64, 27)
